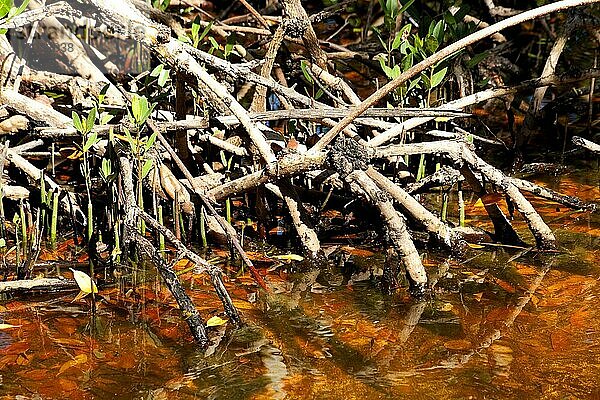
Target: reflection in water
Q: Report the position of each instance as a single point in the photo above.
(276, 370)
(496, 334)
(326, 335)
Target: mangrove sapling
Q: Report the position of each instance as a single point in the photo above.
(439, 56)
(278, 168)
(229, 230)
(54, 220)
(133, 236)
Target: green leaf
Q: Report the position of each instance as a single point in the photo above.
(77, 121)
(150, 142)
(392, 7)
(449, 18)
(130, 140)
(205, 31)
(146, 167)
(383, 43)
(304, 68)
(397, 41)
(405, 6)
(91, 140)
(163, 77)
(407, 62)
(22, 7)
(462, 11)
(426, 80)
(431, 43)
(395, 72)
(102, 94)
(387, 71)
(438, 31)
(91, 120)
(106, 167)
(5, 6)
(477, 58)
(228, 49)
(105, 118)
(140, 109)
(185, 39)
(195, 30)
(438, 77)
(418, 42)
(414, 83)
(157, 70)
(213, 43)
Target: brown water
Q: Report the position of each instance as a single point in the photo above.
(506, 323)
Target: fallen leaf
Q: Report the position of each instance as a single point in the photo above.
(580, 318)
(243, 305)
(459, 344)
(215, 321)
(84, 281)
(504, 285)
(357, 252)
(560, 339)
(8, 326)
(475, 246)
(289, 257)
(78, 359)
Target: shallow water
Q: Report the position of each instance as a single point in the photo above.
(505, 323)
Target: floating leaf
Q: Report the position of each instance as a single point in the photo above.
(215, 321)
(79, 359)
(84, 282)
(475, 246)
(8, 326)
(289, 257)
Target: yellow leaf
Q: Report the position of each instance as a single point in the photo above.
(84, 282)
(79, 359)
(79, 296)
(215, 321)
(8, 326)
(475, 246)
(75, 155)
(289, 257)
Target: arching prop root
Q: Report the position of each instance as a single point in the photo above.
(462, 154)
(351, 160)
(133, 236)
